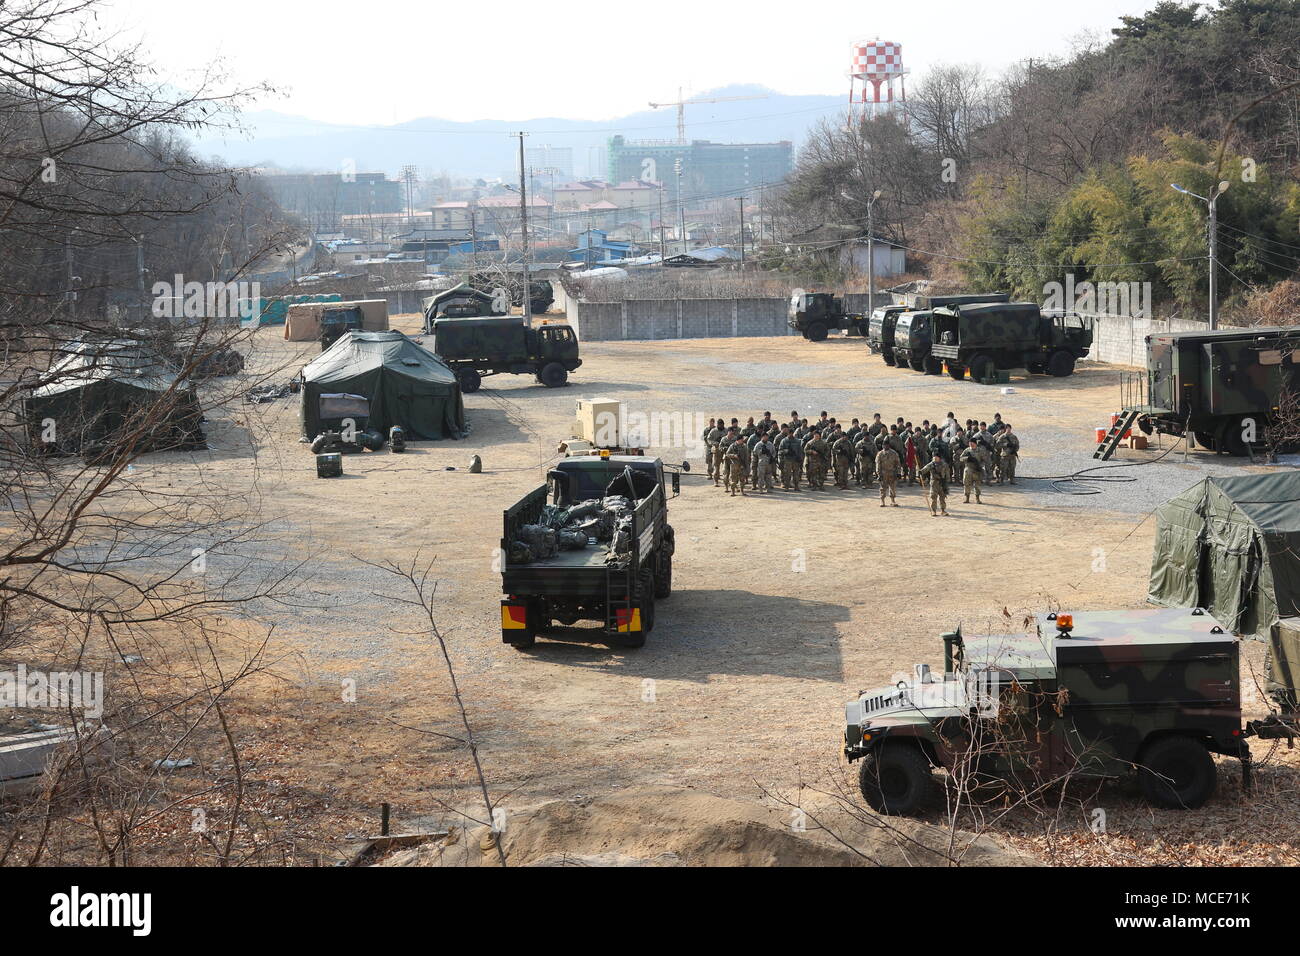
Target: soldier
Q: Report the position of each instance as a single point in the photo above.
(749, 428)
(714, 450)
(708, 458)
(762, 463)
(972, 471)
(997, 425)
(737, 457)
(888, 465)
(939, 472)
(1009, 448)
(794, 422)
(754, 439)
(865, 451)
(909, 457)
(876, 426)
(842, 455)
(816, 457)
(789, 453)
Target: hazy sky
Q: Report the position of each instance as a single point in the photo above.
(383, 62)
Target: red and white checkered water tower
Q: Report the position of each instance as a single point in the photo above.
(877, 66)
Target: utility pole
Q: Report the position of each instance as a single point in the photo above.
(523, 232)
(741, 200)
(681, 209)
(1211, 200)
(663, 254)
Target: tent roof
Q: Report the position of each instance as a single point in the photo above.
(127, 361)
(356, 353)
(1268, 500)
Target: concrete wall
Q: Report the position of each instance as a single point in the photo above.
(1121, 340)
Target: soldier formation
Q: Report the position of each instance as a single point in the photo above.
(762, 453)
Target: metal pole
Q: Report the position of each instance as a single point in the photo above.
(681, 209)
(871, 260)
(663, 254)
(523, 233)
(1214, 249)
(741, 200)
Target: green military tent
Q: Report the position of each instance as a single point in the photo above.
(405, 384)
(1232, 546)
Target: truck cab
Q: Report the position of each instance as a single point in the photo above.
(814, 314)
(1100, 694)
(912, 341)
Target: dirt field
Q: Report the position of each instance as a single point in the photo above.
(783, 605)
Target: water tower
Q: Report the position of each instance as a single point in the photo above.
(876, 65)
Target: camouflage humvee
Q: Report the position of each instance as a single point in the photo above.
(1096, 694)
(1222, 386)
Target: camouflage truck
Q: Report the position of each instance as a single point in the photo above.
(882, 331)
(1222, 386)
(986, 337)
(912, 341)
(614, 580)
(474, 347)
(814, 314)
(1101, 694)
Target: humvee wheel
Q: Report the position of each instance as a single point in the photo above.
(553, 375)
(468, 380)
(1060, 364)
(895, 778)
(956, 372)
(1177, 772)
(816, 332)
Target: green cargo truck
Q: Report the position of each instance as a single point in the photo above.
(616, 581)
(474, 347)
(1100, 694)
(882, 329)
(986, 337)
(1222, 386)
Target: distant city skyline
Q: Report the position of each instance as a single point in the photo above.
(337, 63)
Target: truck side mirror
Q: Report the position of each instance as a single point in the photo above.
(677, 484)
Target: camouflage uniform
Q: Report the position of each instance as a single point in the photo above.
(763, 458)
(866, 452)
(939, 474)
(737, 460)
(972, 473)
(842, 455)
(789, 453)
(1009, 448)
(816, 456)
(888, 467)
(714, 453)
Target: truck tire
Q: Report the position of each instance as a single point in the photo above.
(933, 366)
(1177, 773)
(1060, 364)
(816, 332)
(887, 356)
(1229, 439)
(1034, 368)
(1206, 440)
(956, 372)
(664, 575)
(916, 364)
(553, 375)
(981, 367)
(895, 779)
(468, 380)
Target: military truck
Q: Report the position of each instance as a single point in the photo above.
(1102, 694)
(912, 341)
(474, 347)
(880, 331)
(334, 322)
(541, 295)
(986, 337)
(615, 582)
(1222, 386)
(814, 314)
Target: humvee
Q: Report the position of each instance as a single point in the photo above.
(1102, 694)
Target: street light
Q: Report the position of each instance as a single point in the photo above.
(1210, 201)
(871, 248)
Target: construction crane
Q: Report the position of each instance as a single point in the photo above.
(681, 105)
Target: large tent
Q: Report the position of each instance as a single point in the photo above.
(405, 384)
(97, 392)
(1232, 546)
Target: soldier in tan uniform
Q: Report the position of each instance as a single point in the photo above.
(888, 466)
(938, 472)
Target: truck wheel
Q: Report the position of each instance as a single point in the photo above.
(1206, 440)
(1060, 364)
(1177, 772)
(664, 576)
(933, 366)
(982, 367)
(888, 357)
(468, 380)
(553, 375)
(1230, 440)
(956, 372)
(916, 364)
(816, 332)
(1034, 368)
(895, 778)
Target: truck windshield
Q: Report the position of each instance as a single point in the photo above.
(589, 479)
